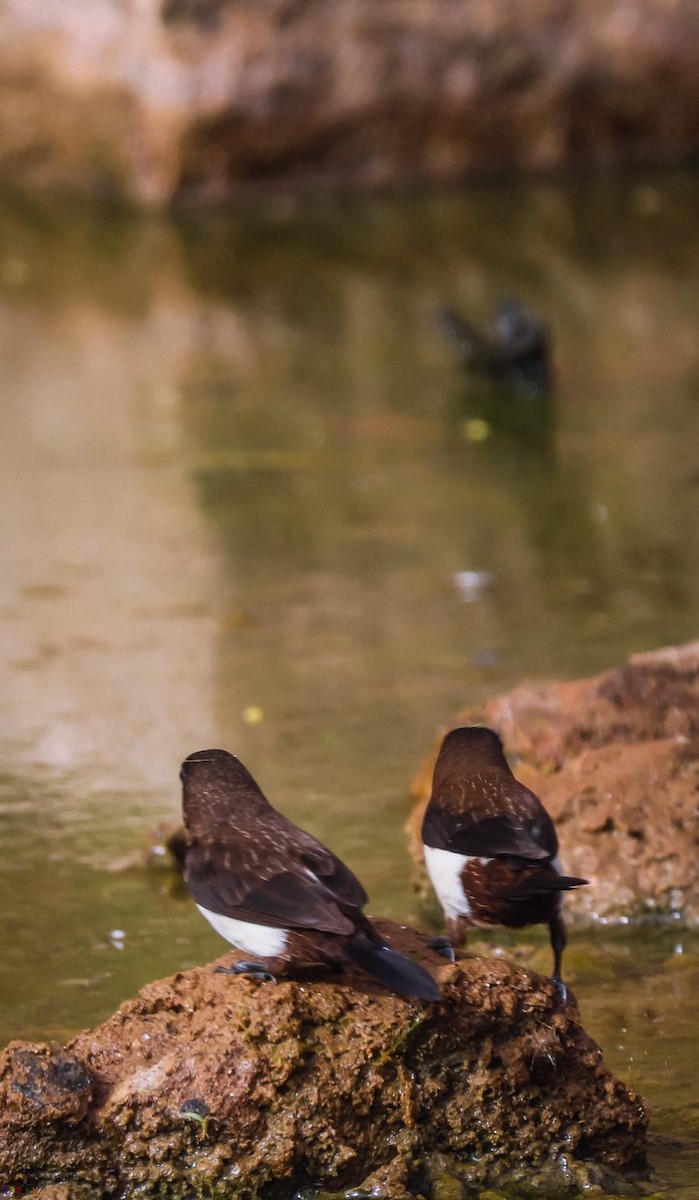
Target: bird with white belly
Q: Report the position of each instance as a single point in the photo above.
(490, 846)
(275, 891)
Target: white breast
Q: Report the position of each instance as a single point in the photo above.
(261, 940)
(444, 869)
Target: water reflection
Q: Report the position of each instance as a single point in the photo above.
(238, 474)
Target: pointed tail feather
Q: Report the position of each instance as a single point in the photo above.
(392, 969)
(541, 883)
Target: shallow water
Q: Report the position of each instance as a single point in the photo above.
(240, 476)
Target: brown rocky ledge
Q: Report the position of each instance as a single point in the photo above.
(208, 1084)
(171, 98)
(615, 759)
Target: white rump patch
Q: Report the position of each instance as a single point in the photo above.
(263, 941)
(444, 869)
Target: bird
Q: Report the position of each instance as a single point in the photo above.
(514, 348)
(490, 847)
(273, 890)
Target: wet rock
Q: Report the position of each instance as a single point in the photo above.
(615, 759)
(62, 1191)
(218, 1084)
(174, 97)
(50, 1081)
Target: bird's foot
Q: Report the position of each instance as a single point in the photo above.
(255, 970)
(560, 988)
(444, 947)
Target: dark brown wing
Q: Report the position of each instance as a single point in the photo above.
(490, 817)
(493, 837)
(309, 889)
(337, 877)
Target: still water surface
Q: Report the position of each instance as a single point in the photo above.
(238, 483)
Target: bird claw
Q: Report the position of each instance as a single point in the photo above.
(560, 988)
(443, 946)
(255, 970)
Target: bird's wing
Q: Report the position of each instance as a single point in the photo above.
(332, 872)
(491, 837)
(248, 888)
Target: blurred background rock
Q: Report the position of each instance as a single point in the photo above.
(156, 100)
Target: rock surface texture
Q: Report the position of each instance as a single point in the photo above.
(615, 760)
(217, 1085)
(162, 98)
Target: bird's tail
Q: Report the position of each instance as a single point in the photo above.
(542, 883)
(570, 881)
(392, 969)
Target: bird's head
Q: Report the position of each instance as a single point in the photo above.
(215, 787)
(468, 750)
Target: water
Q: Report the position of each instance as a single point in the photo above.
(239, 488)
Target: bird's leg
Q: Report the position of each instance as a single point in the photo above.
(559, 938)
(255, 970)
(443, 946)
(456, 936)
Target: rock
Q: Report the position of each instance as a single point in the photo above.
(62, 1191)
(51, 1082)
(615, 759)
(210, 1084)
(169, 98)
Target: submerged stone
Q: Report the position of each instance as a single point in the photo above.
(217, 1085)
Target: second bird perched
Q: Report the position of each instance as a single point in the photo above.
(274, 891)
(490, 846)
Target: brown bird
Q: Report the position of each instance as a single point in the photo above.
(274, 891)
(490, 846)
